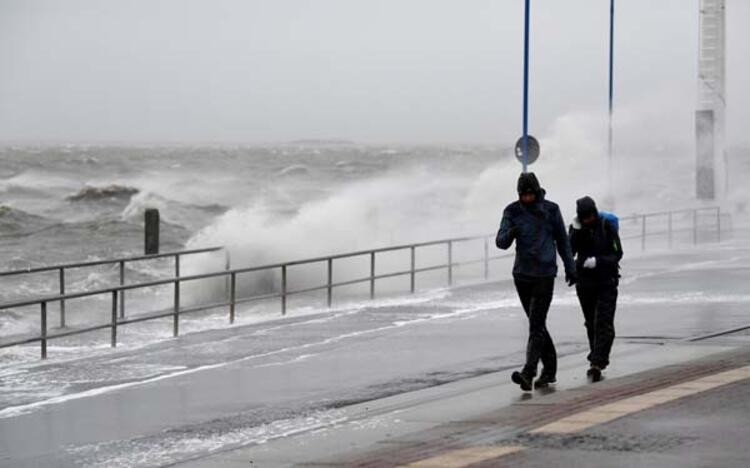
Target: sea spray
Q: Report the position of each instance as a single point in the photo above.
(400, 207)
(426, 204)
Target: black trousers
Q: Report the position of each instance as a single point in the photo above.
(599, 300)
(536, 297)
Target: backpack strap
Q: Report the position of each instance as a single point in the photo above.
(608, 230)
(610, 239)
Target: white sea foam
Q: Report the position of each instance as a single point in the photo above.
(172, 448)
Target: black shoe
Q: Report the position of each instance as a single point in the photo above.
(544, 380)
(594, 374)
(522, 379)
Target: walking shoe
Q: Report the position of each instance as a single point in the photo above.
(544, 380)
(522, 379)
(594, 374)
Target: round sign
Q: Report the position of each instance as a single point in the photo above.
(533, 150)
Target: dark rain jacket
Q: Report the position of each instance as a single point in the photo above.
(539, 232)
(600, 241)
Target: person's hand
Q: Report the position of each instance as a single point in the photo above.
(571, 278)
(590, 263)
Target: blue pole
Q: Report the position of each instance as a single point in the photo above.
(611, 99)
(611, 53)
(526, 88)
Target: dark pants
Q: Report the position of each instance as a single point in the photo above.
(536, 297)
(599, 300)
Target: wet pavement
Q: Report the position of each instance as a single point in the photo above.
(263, 385)
(487, 423)
(709, 429)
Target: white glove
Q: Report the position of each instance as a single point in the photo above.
(590, 263)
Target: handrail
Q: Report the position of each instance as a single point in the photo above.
(118, 291)
(358, 253)
(673, 212)
(345, 255)
(272, 266)
(122, 261)
(136, 258)
(216, 274)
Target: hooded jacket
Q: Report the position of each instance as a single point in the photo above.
(539, 232)
(600, 240)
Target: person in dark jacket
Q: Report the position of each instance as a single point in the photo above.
(537, 227)
(597, 245)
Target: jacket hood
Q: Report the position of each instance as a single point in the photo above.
(586, 207)
(528, 183)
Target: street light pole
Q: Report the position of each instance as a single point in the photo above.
(526, 88)
(610, 162)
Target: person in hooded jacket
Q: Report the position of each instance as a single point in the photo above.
(537, 227)
(597, 245)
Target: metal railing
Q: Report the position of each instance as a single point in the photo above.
(282, 269)
(669, 231)
(120, 261)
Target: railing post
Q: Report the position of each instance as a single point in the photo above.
(330, 282)
(232, 295)
(669, 229)
(122, 292)
(450, 263)
(176, 326)
(62, 301)
(44, 330)
(176, 315)
(718, 224)
(227, 267)
(486, 258)
(695, 227)
(643, 232)
(372, 275)
(114, 319)
(283, 289)
(413, 267)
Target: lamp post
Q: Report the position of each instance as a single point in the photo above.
(610, 162)
(526, 87)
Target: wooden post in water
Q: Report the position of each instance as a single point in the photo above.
(152, 231)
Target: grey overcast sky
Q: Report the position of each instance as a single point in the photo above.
(365, 70)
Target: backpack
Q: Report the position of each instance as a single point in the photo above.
(611, 219)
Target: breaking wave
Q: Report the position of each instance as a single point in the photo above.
(108, 192)
(188, 215)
